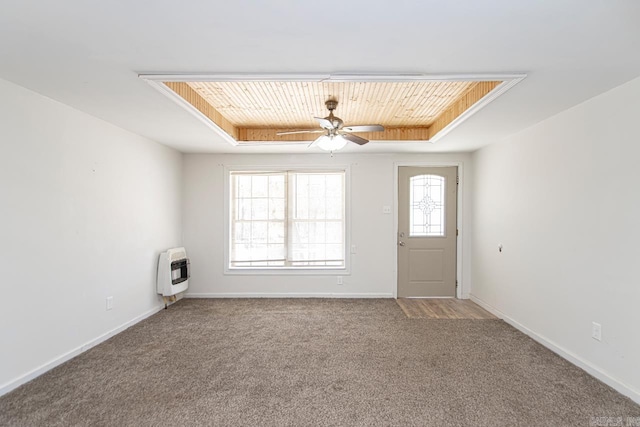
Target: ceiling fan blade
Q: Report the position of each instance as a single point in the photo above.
(325, 123)
(299, 131)
(364, 128)
(315, 141)
(354, 138)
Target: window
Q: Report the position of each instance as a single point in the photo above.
(287, 219)
(426, 193)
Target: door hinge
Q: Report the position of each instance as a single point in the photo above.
(457, 232)
(457, 179)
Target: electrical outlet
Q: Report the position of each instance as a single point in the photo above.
(339, 280)
(596, 331)
(386, 209)
(109, 303)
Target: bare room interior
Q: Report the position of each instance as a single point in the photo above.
(343, 213)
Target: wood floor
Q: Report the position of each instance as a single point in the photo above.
(442, 308)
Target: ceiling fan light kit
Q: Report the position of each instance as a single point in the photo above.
(330, 143)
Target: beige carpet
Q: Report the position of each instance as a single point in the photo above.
(313, 362)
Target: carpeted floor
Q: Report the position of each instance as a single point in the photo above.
(300, 362)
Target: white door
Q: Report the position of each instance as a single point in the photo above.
(427, 231)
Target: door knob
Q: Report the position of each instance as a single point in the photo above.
(401, 243)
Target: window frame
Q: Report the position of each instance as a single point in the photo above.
(286, 270)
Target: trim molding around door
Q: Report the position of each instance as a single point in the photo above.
(461, 289)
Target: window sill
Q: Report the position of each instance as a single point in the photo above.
(284, 271)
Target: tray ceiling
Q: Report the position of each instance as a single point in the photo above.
(255, 111)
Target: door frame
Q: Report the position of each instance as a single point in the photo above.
(459, 224)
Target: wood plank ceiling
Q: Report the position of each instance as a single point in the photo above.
(256, 111)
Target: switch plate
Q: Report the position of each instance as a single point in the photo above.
(339, 280)
(354, 249)
(109, 303)
(386, 209)
(596, 331)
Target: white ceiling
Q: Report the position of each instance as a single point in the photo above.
(87, 54)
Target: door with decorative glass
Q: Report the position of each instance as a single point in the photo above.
(427, 231)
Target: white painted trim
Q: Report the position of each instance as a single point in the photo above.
(412, 77)
(461, 291)
(235, 77)
(160, 86)
(483, 102)
(287, 295)
(333, 77)
(586, 366)
(13, 384)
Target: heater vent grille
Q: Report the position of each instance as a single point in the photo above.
(175, 256)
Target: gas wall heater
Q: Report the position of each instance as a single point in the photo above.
(173, 272)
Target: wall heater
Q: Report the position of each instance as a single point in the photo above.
(173, 272)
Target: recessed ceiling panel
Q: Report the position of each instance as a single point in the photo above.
(294, 104)
(256, 111)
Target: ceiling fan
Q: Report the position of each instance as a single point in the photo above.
(336, 133)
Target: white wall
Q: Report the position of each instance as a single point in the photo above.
(563, 199)
(373, 267)
(85, 208)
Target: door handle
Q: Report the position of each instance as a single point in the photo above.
(401, 243)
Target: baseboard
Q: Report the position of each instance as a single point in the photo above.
(287, 295)
(11, 385)
(592, 370)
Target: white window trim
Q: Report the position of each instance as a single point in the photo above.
(287, 271)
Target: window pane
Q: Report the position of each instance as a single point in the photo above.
(259, 232)
(302, 185)
(426, 205)
(259, 209)
(316, 208)
(335, 251)
(317, 252)
(300, 232)
(317, 186)
(276, 232)
(316, 232)
(276, 186)
(244, 186)
(334, 232)
(335, 208)
(275, 252)
(302, 208)
(260, 186)
(276, 209)
(334, 186)
(243, 232)
(299, 251)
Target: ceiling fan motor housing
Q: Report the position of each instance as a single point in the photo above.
(331, 104)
